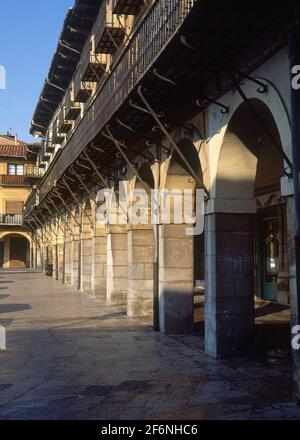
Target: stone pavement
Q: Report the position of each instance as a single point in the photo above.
(73, 357)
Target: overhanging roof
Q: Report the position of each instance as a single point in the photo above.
(77, 26)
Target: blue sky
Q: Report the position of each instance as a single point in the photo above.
(29, 33)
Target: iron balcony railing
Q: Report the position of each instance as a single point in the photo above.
(158, 27)
(14, 180)
(11, 219)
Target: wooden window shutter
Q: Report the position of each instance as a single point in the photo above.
(14, 207)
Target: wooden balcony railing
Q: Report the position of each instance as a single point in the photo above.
(64, 125)
(127, 7)
(49, 147)
(156, 29)
(90, 70)
(57, 136)
(11, 219)
(72, 109)
(109, 30)
(7, 180)
(33, 172)
(82, 90)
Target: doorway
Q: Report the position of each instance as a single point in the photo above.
(18, 252)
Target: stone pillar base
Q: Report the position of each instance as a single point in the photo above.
(140, 272)
(229, 285)
(176, 280)
(117, 267)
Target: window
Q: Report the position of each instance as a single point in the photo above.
(15, 170)
(14, 207)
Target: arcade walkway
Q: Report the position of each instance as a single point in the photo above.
(73, 357)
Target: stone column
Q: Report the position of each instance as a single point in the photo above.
(140, 271)
(68, 262)
(229, 283)
(54, 252)
(68, 238)
(60, 261)
(86, 263)
(76, 252)
(291, 230)
(176, 279)
(99, 260)
(117, 267)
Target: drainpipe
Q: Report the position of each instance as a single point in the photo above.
(294, 58)
(79, 252)
(156, 248)
(64, 252)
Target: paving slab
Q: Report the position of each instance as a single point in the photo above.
(71, 356)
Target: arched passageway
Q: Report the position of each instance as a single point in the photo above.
(14, 251)
(247, 232)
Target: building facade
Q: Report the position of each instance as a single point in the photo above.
(167, 95)
(16, 166)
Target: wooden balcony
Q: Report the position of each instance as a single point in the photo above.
(44, 156)
(90, 70)
(137, 58)
(93, 67)
(8, 180)
(64, 125)
(72, 109)
(108, 31)
(33, 174)
(82, 90)
(49, 147)
(127, 7)
(57, 136)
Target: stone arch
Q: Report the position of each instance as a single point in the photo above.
(15, 250)
(195, 155)
(218, 123)
(249, 167)
(249, 162)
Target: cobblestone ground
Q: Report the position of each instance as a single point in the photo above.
(73, 357)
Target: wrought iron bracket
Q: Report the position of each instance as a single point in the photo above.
(263, 87)
(224, 108)
(42, 227)
(67, 208)
(171, 139)
(59, 214)
(259, 119)
(94, 168)
(108, 135)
